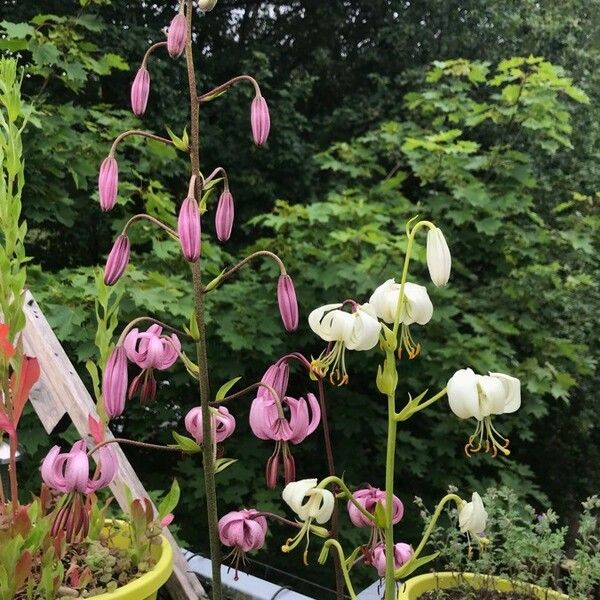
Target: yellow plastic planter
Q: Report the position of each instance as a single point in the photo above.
(145, 587)
(429, 582)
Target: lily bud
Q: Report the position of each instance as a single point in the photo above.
(272, 471)
(114, 382)
(206, 5)
(140, 90)
(188, 228)
(224, 216)
(117, 260)
(439, 261)
(472, 516)
(288, 304)
(108, 182)
(289, 468)
(260, 120)
(177, 36)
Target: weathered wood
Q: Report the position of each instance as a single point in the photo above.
(60, 390)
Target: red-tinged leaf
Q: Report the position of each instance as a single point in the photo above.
(23, 569)
(96, 429)
(6, 348)
(28, 375)
(22, 522)
(6, 425)
(58, 543)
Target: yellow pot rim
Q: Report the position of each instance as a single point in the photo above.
(415, 586)
(149, 582)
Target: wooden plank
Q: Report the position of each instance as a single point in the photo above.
(60, 390)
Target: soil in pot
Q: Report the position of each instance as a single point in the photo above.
(464, 592)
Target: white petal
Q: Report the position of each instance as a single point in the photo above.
(439, 261)
(342, 324)
(512, 390)
(365, 332)
(327, 503)
(418, 307)
(293, 493)
(493, 396)
(463, 396)
(321, 326)
(384, 300)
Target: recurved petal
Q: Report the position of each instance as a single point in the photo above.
(512, 391)
(294, 493)
(462, 394)
(327, 503)
(316, 318)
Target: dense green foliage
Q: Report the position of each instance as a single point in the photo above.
(410, 108)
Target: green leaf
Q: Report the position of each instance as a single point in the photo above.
(223, 463)
(45, 54)
(170, 501)
(413, 565)
(225, 388)
(17, 30)
(186, 444)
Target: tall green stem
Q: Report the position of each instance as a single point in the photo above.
(390, 583)
(199, 308)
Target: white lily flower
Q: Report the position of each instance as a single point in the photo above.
(472, 516)
(417, 307)
(358, 330)
(206, 5)
(319, 502)
(480, 396)
(439, 261)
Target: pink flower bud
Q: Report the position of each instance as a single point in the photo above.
(260, 120)
(223, 424)
(224, 216)
(243, 530)
(288, 305)
(108, 182)
(188, 228)
(177, 35)
(402, 554)
(114, 382)
(117, 260)
(140, 90)
(368, 499)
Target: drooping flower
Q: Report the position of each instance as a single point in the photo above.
(188, 229)
(358, 330)
(206, 5)
(150, 350)
(439, 261)
(260, 120)
(368, 498)
(480, 396)
(222, 423)
(117, 260)
(243, 530)
(224, 216)
(310, 503)
(69, 473)
(108, 182)
(114, 382)
(177, 36)
(288, 304)
(472, 516)
(402, 554)
(416, 308)
(268, 421)
(140, 91)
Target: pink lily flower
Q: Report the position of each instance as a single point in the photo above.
(402, 554)
(368, 499)
(223, 424)
(268, 421)
(177, 36)
(150, 350)
(69, 471)
(260, 120)
(140, 91)
(288, 304)
(242, 530)
(108, 182)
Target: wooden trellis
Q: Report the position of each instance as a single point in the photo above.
(60, 391)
